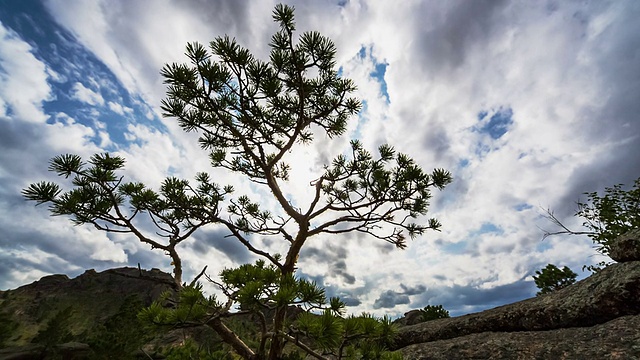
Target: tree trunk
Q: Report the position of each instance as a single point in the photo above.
(177, 267)
(232, 339)
(277, 343)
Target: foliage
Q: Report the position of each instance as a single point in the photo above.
(121, 334)
(193, 351)
(102, 199)
(261, 289)
(433, 312)
(551, 278)
(249, 115)
(606, 217)
(7, 327)
(57, 330)
(611, 215)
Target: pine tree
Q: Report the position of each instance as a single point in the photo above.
(249, 113)
(433, 312)
(551, 278)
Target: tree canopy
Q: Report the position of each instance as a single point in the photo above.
(249, 113)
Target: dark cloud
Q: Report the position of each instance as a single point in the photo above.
(437, 141)
(217, 239)
(349, 297)
(615, 124)
(445, 43)
(459, 300)
(21, 154)
(389, 299)
(334, 256)
(350, 301)
(413, 290)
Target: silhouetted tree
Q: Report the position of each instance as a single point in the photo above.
(249, 113)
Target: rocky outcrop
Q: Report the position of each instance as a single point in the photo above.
(616, 339)
(593, 312)
(411, 317)
(626, 247)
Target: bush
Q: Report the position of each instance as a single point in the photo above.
(611, 215)
(605, 217)
(551, 278)
(433, 312)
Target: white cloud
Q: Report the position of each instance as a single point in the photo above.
(119, 109)
(23, 79)
(86, 95)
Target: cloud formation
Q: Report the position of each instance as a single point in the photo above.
(529, 104)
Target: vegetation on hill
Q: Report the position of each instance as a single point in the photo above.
(433, 312)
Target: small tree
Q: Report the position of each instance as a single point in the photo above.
(249, 114)
(605, 217)
(433, 312)
(551, 278)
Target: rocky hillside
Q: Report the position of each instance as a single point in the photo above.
(596, 318)
(95, 308)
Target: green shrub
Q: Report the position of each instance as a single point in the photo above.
(433, 312)
(551, 278)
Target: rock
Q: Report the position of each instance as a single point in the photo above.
(411, 317)
(607, 295)
(616, 339)
(626, 247)
(73, 350)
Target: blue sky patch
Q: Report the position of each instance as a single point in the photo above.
(463, 163)
(488, 227)
(380, 69)
(495, 123)
(455, 248)
(522, 207)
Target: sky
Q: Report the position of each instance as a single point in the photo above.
(529, 104)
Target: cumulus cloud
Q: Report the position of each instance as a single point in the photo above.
(119, 109)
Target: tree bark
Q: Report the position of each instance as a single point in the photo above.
(232, 339)
(177, 267)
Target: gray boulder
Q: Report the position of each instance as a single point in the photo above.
(626, 247)
(570, 313)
